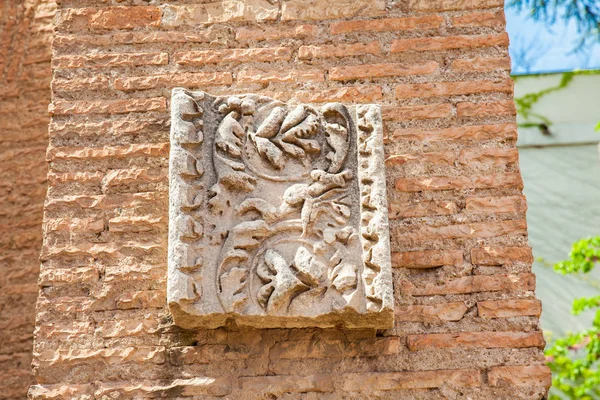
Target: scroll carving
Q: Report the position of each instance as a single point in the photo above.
(278, 214)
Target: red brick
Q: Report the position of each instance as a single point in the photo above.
(124, 17)
(291, 75)
(475, 284)
(489, 155)
(427, 258)
(427, 111)
(381, 70)
(441, 89)
(465, 132)
(437, 313)
(388, 24)
(105, 60)
(501, 255)
(218, 12)
(480, 19)
(486, 340)
(339, 50)
(481, 64)
(272, 33)
(451, 5)
(109, 18)
(446, 157)
(489, 205)
(431, 183)
(350, 94)
(108, 106)
(91, 153)
(188, 80)
(509, 308)
(325, 348)
(135, 37)
(201, 57)
(330, 9)
(377, 381)
(448, 43)
(521, 376)
(421, 209)
(74, 225)
(276, 386)
(489, 109)
(98, 82)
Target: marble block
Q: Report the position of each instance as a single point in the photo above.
(278, 214)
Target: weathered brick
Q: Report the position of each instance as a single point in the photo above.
(275, 33)
(445, 157)
(448, 43)
(376, 381)
(201, 57)
(98, 82)
(124, 17)
(135, 223)
(216, 12)
(489, 205)
(135, 37)
(427, 111)
(524, 376)
(105, 60)
(188, 80)
(292, 75)
(441, 89)
(465, 132)
(126, 328)
(74, 225)
(451, 5)
(60, 107)
(132, 175)
(335, 348)
(489, 155)
(330, 9)
(90, 153)
(480, 19)
(50, 277)
(488, 181)
(427, 258)
(141, 299)
(501, 255)
(509, 308)
(388, 24)
(481, 64)
(153, 354)
(353, 94)
(436, 313)
(190, 387)
(421, 209)
(381, 70)
(281, 384)
(58, 391)
(339, 50)
(487, 340)
(476, 284)
(493, 108)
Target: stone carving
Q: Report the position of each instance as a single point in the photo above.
(278, 214)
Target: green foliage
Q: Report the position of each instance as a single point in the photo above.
(574, 359)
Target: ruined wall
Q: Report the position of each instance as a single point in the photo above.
(466, 314)
(25, 38)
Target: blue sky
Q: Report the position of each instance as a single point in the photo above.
(536, 47)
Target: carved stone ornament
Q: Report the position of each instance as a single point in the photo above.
(278, 214)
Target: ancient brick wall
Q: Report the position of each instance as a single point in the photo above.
(466, 314)
(25, 38)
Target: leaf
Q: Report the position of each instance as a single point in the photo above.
(270, 152)
(271, 125)
(344, 277)
(310, 270)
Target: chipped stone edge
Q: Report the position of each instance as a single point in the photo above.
(376, 256)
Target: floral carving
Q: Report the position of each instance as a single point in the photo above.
(270, 217)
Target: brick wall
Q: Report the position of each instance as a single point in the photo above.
(466, 314)
(25, 36)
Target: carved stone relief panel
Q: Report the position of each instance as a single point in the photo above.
(278, 214)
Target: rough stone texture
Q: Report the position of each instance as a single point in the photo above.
(457, 219)
(278, 215)
(25, 38)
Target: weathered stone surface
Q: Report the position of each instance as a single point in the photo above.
(278, 215)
